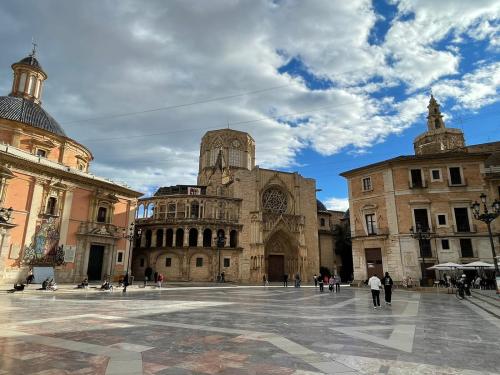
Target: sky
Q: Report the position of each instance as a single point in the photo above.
(322, 86)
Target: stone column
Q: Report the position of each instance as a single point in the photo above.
(68, 200)
(186, 236)
(174, 236)
(200, 237)
(34, 211)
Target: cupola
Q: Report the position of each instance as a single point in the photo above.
(28, 78)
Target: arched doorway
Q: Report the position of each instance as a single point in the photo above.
(281, 255)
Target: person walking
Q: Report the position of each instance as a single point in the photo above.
(315, 280)
(337, 283)
(159, 280)
(375, 285)
(285, 280)
(264, 280)
(331, 284)
(125, 282)
(388, 283)
(321, 283)
(297, 280)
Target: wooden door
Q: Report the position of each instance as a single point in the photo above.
(275, 267)
(374, 262)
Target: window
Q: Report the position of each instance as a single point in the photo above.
(207, 238)
(41, 153)
(437, 125)
(371, 226)
(101, 214)
(275, 200)
(142, 262)
(31, 85)
(367, 183)
(436, 174)
(195, 210)
(441, 219)
(421, 218)
(455, 176)
(193, 237)
(416, 178)
(466, 248)
(22, 83)
(119, 257)
(234, 157)
(179, 238)
(170, 237)
(445, 244)
(199, 262)
(159, 237)
(227, 262)
(149, 236)
(51, 206)
(233, 239)
(171, 210)
(168, 262)
(322, 222)
(462, 219)
(426, 249)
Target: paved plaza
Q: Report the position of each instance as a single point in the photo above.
(244, 330)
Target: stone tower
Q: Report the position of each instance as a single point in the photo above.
(438, 138)
(222, 153)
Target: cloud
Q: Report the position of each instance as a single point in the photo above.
(337, 204)
(108, 58)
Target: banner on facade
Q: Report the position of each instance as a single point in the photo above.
(69, 253)
(194, 191)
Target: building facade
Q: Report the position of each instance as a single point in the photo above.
(432, 190)
(242, 220)
(53, 212)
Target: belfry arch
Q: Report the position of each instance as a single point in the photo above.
(281, 252)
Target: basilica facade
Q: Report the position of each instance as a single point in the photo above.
(239, 220)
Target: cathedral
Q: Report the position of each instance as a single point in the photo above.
(239, 220)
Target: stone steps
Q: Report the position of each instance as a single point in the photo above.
(489, 304)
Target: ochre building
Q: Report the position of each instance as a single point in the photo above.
(432, 190)
(53, 212)
(241, 220)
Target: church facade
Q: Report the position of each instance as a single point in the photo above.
(54, 214)
(241, 220)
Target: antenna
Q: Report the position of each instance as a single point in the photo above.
(227, 124)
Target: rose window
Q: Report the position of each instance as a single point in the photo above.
(274, 200)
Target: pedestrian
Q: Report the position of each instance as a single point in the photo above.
(388, 288)
(264, 280)
(148, 273)
(321, 283)
(375, 285)
(337, 283)
(315, 280)
(159, 280)
(222, 277)
(125, 282)
(30, 277)
(285, 280)
(331, 283)
(297, 280)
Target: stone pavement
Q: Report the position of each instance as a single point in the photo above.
(244, 330)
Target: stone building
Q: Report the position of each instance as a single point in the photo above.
(328, 222)
(433, 190)
(53, 212)
(239, 219)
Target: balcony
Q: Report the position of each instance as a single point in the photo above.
(99, 229)
(377, 232)
(464, 228)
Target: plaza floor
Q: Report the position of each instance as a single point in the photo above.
(244, 330)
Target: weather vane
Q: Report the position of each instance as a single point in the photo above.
(33, 51)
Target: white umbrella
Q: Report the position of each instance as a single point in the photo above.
(478, 264)
(445, 266)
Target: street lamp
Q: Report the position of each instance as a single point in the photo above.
(131, 236)
(421, 234)
(220, 240)
(487, 217)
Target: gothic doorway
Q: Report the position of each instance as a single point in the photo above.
(281, 256)
(96, 256)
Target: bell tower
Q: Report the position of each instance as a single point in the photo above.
(438, 138)
(28, 78)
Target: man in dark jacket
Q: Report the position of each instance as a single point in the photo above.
(387, 282)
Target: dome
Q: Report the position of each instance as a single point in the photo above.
(29, 113)
(320, 206)
(30, 60)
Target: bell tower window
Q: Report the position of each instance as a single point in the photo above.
(22, 83)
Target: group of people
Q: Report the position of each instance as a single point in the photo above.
(332, 281)
(150, 276)
(376, 284)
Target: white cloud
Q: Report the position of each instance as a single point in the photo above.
(337, 204)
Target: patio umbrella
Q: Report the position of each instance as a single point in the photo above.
(445, 266)
(478, 264)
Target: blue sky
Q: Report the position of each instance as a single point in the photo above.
(323, 86)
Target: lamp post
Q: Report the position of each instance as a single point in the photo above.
(221, 240)
(421, 234)
(131, 236)
(487, 217)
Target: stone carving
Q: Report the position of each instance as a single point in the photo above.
(274, 200)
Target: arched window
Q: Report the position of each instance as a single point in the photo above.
(193, 237)
(322, 222)
(31, 85)
(149, 235)
(233, 238)
(275, 200)
(235, 157)
(51, 206)
(101, 214)
(150, 210)
(437, 125)
(159, 238)
(140, 212)
(22, 83)
(170, 237)
(179, 237)
(195, 210)
(207, 238)
(221, 238)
